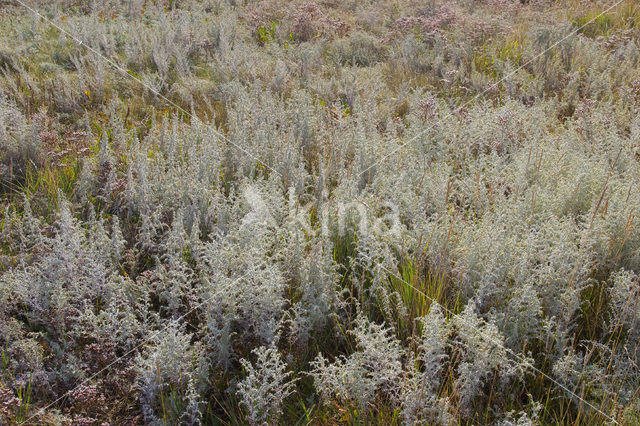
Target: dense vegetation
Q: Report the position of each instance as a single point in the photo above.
(387, 212)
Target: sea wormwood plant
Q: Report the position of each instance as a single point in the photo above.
(405, 208)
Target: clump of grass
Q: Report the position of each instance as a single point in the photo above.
(594, 23)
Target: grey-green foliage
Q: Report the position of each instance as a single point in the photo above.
(623, 324)
(170, 366)
(265, 386)
(419, 395)
(482, 354)
(374, 368)
(20, 146)
(339, 161)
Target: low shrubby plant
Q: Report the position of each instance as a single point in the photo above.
(320, 212)
(373, 369)
(265, 386)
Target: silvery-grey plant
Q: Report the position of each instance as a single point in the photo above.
(265, 386)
